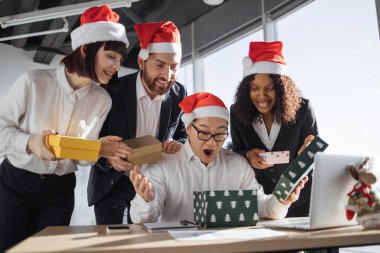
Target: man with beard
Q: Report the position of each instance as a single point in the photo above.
(143, 103)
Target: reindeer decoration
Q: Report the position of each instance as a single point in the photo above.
(363, 199)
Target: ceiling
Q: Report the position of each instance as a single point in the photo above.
(203, 27)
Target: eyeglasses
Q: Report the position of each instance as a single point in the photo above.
(204, 136)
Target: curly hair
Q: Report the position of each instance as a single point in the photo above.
(288, 101)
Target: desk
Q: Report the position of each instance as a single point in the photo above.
(95, 239)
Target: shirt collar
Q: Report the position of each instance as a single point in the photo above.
(65, 86)
(188, 151)
(191, 155)
(140, 90)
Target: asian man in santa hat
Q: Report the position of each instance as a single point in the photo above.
(166, 189)
(36, 189)
(143, 103)
(269, 114)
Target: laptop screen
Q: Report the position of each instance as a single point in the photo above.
(331, 183)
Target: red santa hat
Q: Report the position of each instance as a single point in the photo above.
(265, 58)
(158, 37)
(202, 105)
(98, 24)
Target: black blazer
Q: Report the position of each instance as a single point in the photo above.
(244, 138)
(121, 121)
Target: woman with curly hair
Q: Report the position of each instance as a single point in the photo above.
(269, 114)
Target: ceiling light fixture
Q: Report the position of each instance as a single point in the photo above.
(213, 2)
(59, 12)
(64, 29)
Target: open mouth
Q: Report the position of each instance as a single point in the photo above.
(208, 152)
(263, 104)
(161, 84)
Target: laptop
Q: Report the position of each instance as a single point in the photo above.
(331, 183)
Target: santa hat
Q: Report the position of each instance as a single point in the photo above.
(98, 24)
(158, 37)
(265, 58)
(202, 105)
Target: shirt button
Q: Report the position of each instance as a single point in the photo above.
(274, 180)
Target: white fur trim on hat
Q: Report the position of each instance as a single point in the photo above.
(144, 54)
(162, 47)
(264, 67)
(98, 31)
(204, 112)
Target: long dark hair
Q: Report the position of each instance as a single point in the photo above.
(75, 63)
(284, 111)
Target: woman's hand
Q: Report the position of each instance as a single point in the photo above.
(142, 185)
(296, 192)
(256, 161)
(307, 141)
(37, 144)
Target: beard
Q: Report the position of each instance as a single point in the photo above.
(154, 87)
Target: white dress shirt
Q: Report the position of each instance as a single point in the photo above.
(176, 177)
(267, 139)
(148, 111)
(43, 100)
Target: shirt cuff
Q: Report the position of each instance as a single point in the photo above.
(279, 210)
(21, 142)
(146, 205)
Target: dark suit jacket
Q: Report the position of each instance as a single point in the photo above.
(121, 121)
(244, 138)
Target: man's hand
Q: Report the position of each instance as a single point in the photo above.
(116, 152)
(119, 164)
(142, 185)
(171, 147)
(112, 147)
(296, 192)
(255, 160)
(307, 141)
(37, 144)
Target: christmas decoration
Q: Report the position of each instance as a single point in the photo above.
(363, 199)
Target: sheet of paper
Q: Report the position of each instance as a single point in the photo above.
(209, 235)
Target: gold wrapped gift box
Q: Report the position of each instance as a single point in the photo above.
(147, 149)
(74, 148)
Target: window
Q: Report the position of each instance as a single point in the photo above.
(223, 69)
(185, 77)
(332, 50)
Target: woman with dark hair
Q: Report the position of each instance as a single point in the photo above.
(269, 114)
(36, 188)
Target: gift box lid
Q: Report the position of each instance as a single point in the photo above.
(147, 149)
(73, 142)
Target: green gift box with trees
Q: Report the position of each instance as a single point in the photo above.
(229, 208)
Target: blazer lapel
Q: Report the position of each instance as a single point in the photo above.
(131, 106)
(166, 109)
